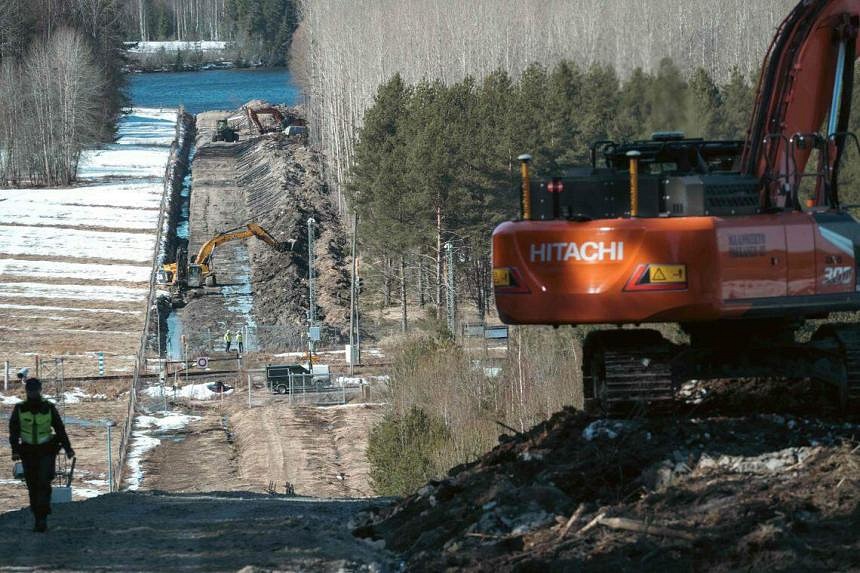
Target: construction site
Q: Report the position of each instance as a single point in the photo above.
(190, 308)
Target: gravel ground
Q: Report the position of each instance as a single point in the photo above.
(720, 487)
(192, 532)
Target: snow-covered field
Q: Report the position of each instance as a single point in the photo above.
(78, 256)
(54, 270)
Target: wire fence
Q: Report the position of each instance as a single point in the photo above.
(177, 166)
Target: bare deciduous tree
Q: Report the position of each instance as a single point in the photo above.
(345, 49)
(49, 112)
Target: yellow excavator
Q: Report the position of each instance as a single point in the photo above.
(199, 271)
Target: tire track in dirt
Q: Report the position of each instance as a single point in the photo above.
(320, 451)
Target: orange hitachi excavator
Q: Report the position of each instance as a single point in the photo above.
(718, 236)
(200, 269)
(276, 123)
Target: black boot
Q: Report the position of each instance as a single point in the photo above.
(41, 524)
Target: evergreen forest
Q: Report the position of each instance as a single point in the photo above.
(436, 163)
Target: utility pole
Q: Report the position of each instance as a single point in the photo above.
(353, 310)
(312, 312)
(449, 256)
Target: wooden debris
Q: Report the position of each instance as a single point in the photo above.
(573, 519)
(642, 527)
(591, 524)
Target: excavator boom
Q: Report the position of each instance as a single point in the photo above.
(807, 77)
(204, 255)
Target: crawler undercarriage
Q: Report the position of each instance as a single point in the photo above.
(637, 370)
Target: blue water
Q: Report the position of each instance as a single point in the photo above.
(213, 89)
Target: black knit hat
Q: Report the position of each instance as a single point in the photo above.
(33, 384)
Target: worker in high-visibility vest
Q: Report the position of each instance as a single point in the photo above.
(228, 340)
(36, 434)
(240, 341)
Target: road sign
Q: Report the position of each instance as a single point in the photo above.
(101, 359)
(203, 362)
(314, 333)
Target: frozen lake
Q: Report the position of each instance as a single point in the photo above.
(213, 89)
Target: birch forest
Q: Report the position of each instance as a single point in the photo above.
(344, 50)
(60, 85)
(260, 29)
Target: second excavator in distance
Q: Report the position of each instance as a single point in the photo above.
(199, 271)
(738, 242)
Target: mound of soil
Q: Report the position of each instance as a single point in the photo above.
(284, 187)
(722, 493)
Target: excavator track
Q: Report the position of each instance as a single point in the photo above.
(848, 336)
(628, 371)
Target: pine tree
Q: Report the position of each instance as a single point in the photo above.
(704, 106)
(667, 97)
(532, 118)
(738, 101)
(563, 109)
(600, 104)
(634, 109)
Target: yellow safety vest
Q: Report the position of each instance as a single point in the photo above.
(36, 426)
(239, 337)
(227, 337)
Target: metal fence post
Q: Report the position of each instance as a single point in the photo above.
(249, 390)
(110, 459)
(5, 375)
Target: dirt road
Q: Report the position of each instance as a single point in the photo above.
(192, 532)
(320, 451)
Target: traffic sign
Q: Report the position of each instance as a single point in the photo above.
(202, 362)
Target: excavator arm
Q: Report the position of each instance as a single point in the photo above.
(254, 118)
(204, 255)
(200, 264)
(807, 77)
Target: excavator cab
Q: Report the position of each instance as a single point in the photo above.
(195, 275)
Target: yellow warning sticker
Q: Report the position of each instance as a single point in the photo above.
(501, 277)
(667, 273)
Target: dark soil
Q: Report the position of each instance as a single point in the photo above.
(284, 187)
(738, 490)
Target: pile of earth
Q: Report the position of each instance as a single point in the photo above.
(712, 488)
(284, 187)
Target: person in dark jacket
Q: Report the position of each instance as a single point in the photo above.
(36, 433)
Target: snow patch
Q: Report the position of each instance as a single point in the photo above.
(168, 421)
(9, 400)
(190, 392)
(351, 382)
(175, 46)
(74, 292)
(86, 493)
(143, 440)
(65, 309)
(77, 395)
(766, 463)
(609, 429)
(53, 270)
(81, 244)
